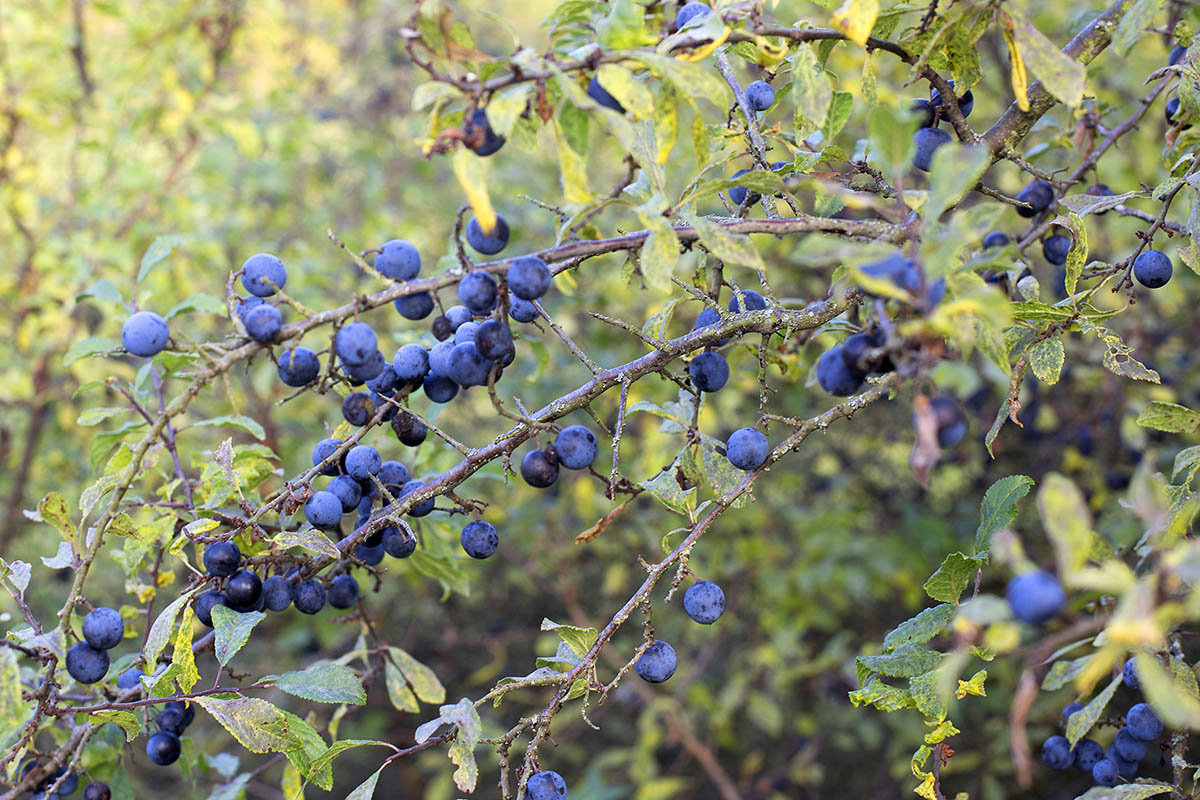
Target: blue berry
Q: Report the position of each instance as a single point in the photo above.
(1130, 676)
(479, 539)
(747, 449)
(546, 785)
(323, 510)
(995, 239)
(740, 195)
(747, 300)
(414, 306)
(163, 748)
(277, 592)
(601, 96)
(923, 112)
(299, 367)
(1104, 772)
(222, 559)
(347, 490)
(1056, 752)
(411, 362)
(966, 102)
(478, 134)
(206, 602)
(709, 371)
(467, 365)
(343, 592)
(477, 291)
(1087, 753)
(1037, 194)
(357, 408)
(704, 602)
(425, 506)
(928, 140)
(243, 589)
(129, 679)
(398, 260)
(1152, 269)
(528, 277)
(691, 11)
(951, 422)
(1128, 746)
(657, 663)
(487, 243)
(356, 343)
(760, 95)
(369, 555)
(263, 274)
(370, 369)
(1070, 709)
(1142, 723)
(362, 462)
(522, 310)
(247, 304)
(1125, 767)
(398, 542)
(539, 468)
(309, 597)
(576, 447)
(494, 340)
(834, 376)
(464, 333)
(145, 334)
(439, 389)
(458, 316)
(709, 316)
(325, 449)
(1056, 248)
(103, 628)
(87, 664)
(1036, 597)
(263, 323)
(1176, 55)
(409, 430)
(385, 382)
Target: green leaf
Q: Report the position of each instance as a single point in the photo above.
(1082, 721)
(660, 252)
(159, 249)
(397, 688)
(921, 628)
(339, 747)
(53, 510)
(731, 248)
(446, 571)
(90, 346)
(1169, 417)
(891, 140)
(580, 640)
(160, 631)
(952, 577)
(881, 696)
(257, 725)
(691, 79)
(421, 678)
(1066, 520)
(956, 169)
(811, 90)
(1046, 360)
(366, 789)
(126, 720)
(1134, 24)
(999, 508)
(666, 488)
(204, 303)
(1126, 791)
(103, 289)
(1062, 76)
(12, 708)
(929, 694)
(323, 682)
(239, 421)
(1078, 252)
(234, 790)
(905, 661)
(1064, 672)
(232, 629)
(1188, 460)
(625, 27)
(571, 128)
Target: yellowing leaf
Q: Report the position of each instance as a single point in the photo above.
(856, 18)
(471, 171)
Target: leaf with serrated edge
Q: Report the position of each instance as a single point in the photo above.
(421, 678)
(999, 508)
(232, 630)
(257, 725)
(1082, 721)
(323, 682)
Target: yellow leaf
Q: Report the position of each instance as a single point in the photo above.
(1020, 82)
(856, 18)
(183, 655)
(471, 171)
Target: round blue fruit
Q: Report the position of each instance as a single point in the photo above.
(704, 602)
(857, 350)
(398, 260)
(740, 195)
(409, 430)
(709, 371)
(386, 381)
(309, 597)
(324, 450)
(760, 95)
(343, 592)
(369, 555)
(1142, 723)
(1070, 709)
(414, 306)
(357, 408)
(1104, 772)
(601, 96)
(465, 333)
(393, 475)
(420, 509)
(323, 510)
(747, 449)
(263, 274)
(263, 323)
(399, 542)
(362, 462)
(170, 720)
(576, 447)
(546, 785)
(834, 376)
(130, 679)
(145, 334)
(411, 362)
(479, 136)
(690, 12)
(1038, 195)
(369, 370)
(205, 604)
(966, 102)
(923, 112)
(494, 340)
(103, 628)
(97, 791)
(539, 469)
(707, 317)
(487, 243)
(277, 592)
(1125, 767)
(995, 239)
(1152, 269)
(528, 278)
(467, 365)
(356, 343)
(299, 367)
(1128, 746)
(439, 358)
(657, 662)
(477, 291)
(1087, 753)
(1130, 676)
(747, 300)
(927, 141)
(479, 539)
(458, 316)
(522, 310)
(87, 664)
(222, 559)
(1056, 752)
(243, 589)
(247, 304)
(439, 389)
(1056, 248)
(1036, 597)
(1176, 55)
(163, 748)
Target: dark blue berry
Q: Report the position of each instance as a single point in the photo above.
(343, 592)
(263, 274)
(1036, 597)
(657, 663)
(487, 243)
(747, 449)
(398, 260)
(86, 664)
(299, 367)
(539, 468)
(277, 593)
(145, 333)
(222, 559)
(704, 602)
(709, 371)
